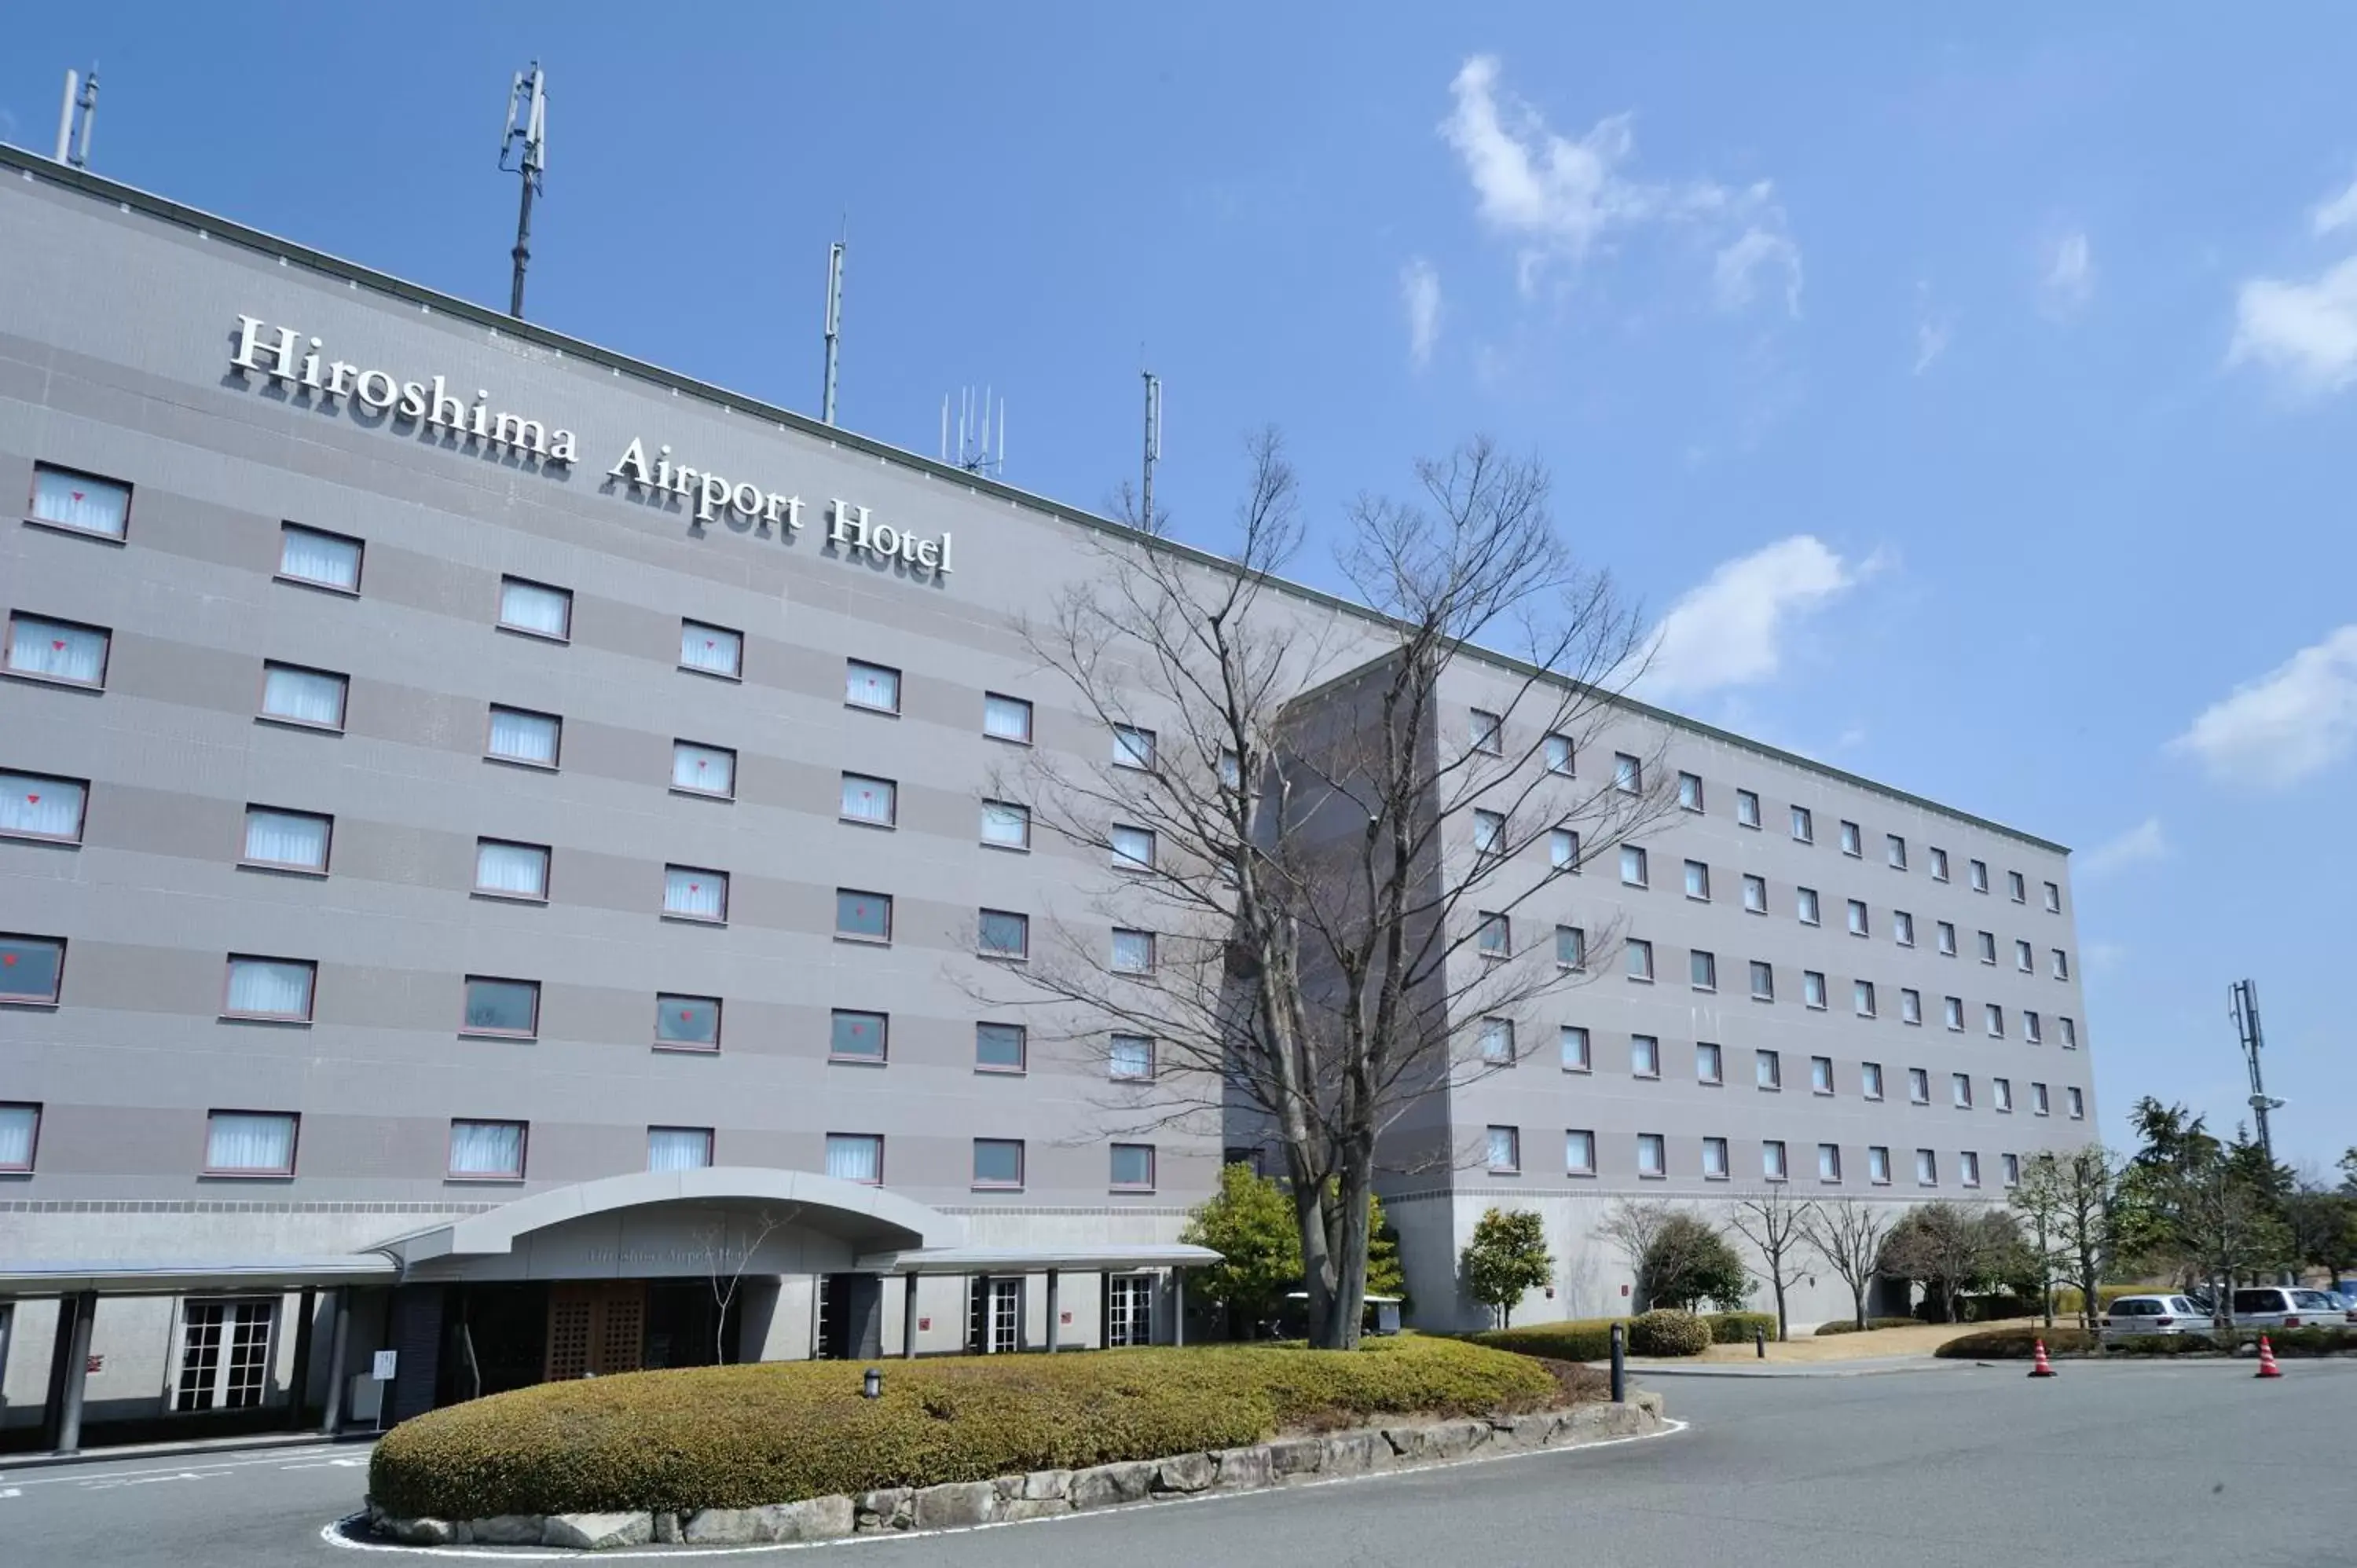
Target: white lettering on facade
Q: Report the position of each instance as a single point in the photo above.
(850, 529)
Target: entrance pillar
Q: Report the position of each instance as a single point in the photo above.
(1177, 1307)
(338, 1345)
(84, 1310)
(1054, 1319)
(909, 1318)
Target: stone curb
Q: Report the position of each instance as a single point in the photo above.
(1046, 1493)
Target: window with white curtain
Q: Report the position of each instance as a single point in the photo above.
(320, 559)
(502, 1006)
(293, 694)
(1133, 849)
(518, 736)
(1005, 718)
(269, 988)
(873, 800)
(1133, 747)
(1637, 954)
(32, 968)
(1710, 1062)
(57, 650)
(1653, 1154)
(678, 1148)
(2030, 1029)
(2078, 1102)
(1869, 1080)
(249, 1142)
(688, 1022)
(511, 870)
(1812, 988)
(856, 1157)
(1910, 1006)
(1563, 849)
(1130, 1057)
(1132, 952)
(1559, 755)
(696, 894)
(1829, 1162)
(1505, 1148)
(536, 608)
(80, 501)
(1498, 1041)
(1579, 1152)
(1771, 1159)
(703, 769)
(1644, 1057)
(866, 685)
(288, 841)
(1570, 946)
(1628, 774)
(1489, 733)
(1927, 1168)
(711, 649)
(37, 806)
(1714, 1159)
(1768, 1067)
(1489, 832)
(859, 1036)
(2012, 1166)
(487, 1149)
(1632, 865)
(1572, 1042)
(20, 1134)
(1006, 825)
(1878, 1164)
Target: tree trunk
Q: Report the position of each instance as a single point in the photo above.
(1780, 1333)
(1858, 1300)
(1505, 1315)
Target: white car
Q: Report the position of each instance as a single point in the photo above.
(2289, 1306)
(2154, 1315)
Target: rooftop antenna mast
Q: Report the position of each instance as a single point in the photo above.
(2243, 1001)
(85, 101)
(834, 322)
(1152, 447)
(978, 420)
(524, 150)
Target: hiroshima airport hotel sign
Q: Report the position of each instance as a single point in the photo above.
(288, 357)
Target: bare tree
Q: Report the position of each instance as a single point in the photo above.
(1847, 1233)
(727, 1250)
(1330, 867)
(2066, 1197)
(1776, 1224)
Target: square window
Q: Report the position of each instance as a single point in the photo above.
(81, 503)
(999, 1047)
(1960, 1089)
(503, 869)
(1578, 1152)
(271, 988)
(534, 739)
(1133, 747)
(695, 893)
(711, 649)
(504, 1007)
(1980, 875)
(1570, 948)
(288, 841)
(2038, 1102)
(1952, 1010)
(2070, 1034)
(1804, 905)
(1628, 774)
(1714, 1159)
(2061, 964)
(1007, 718)
(1763, 981)
(38, 806)
(1133, 1168)
(1939, 864)
(1572, 1040)
(1858, 925)
(1862, 997)
(1747, 809)
(1690, 791)
(1755, 895)
(2001, 1093)
(1771, 1159)
(1006, 825)
(679, 1148)
(874, 802)
(1812, 988)
(1919, 1086)
(1698, 881)
(1644, 1057)
(1489, 734)
(1710, 1063)
(2012, 1167)
(487, 1151)
(1869, 1076)
(2078, 1103)
(2053, 898)
(866, 916)
(32, 968)
(1133, 849)
(1902, 928)
(1563, 849)
(871, 686)
(2023, 959)
(1910, 1006)
(1768, 1068)
(1968, 1168)
(1641, 959)
(687, 1023)
(2030, 1029)
(1927, 1169)
(535, 609)
(1947, 940)
(857, 1036)
(1494, 937)
(1992, 1021)
(1653, 1154)
(1489, 832)
(1559, 757)
(855, 1158)
(2016, 888)
(1986, 941)
(1003, 933)
(250, 1142)
(1132, 952)
(1498, 1042)
(1878, 1165)
(1804, 825)
(703, 769)
(20, 1136)
(1632, 865)
(1851, 842)
(293, 695)
(998, 1162)
(318, 559)
(1702, 970)
(1895, 848)
(1505, 1149)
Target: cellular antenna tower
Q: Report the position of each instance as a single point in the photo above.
(1152, 447)
(524, 150)
(835, 328)
(977, 423)
(85, 101)
(2243, 998)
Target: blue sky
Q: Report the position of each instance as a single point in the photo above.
(1984, 384)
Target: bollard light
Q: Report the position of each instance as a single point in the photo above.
(871, 1386)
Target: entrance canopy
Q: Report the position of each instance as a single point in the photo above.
(181, 1276)
(1036, 1260)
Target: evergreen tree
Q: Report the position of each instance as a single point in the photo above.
(1507, 1256)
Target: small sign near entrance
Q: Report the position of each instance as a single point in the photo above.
(381, 1370)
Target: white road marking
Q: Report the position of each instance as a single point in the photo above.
(68, 1476)
(323, 1463)
(10, 1492)
(108, 1483)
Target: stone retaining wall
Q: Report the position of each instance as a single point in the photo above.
(1043, 1494)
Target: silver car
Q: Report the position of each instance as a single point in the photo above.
(2288, 1306)
(2154, 1315)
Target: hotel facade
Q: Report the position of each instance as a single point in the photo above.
(496, 839)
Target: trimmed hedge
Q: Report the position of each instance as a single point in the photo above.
(1665, 1331)
(1737, 1328)
(1849, 1326)
(2016, 1344)
(744, 1436)
(1573, 1339)
(2286, 1342)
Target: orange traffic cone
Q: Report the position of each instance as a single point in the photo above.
(2044, 1369)
(2268, 1368)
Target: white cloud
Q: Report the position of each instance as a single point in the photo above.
(2070, 280)
(2102, 957)
(2141, 842)
(1559, 199)
(1420, 297)
(1729, 631)
(2306, 330)
(1933, 328)
(2335, 213)
(2292, 723)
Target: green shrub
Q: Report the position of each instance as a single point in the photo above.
(1737, 1328)
(1666, 1331)
(1576, 1340)
(2016, 1344)
(1847, 1325)
(2168, 1345)
(742, 1436)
